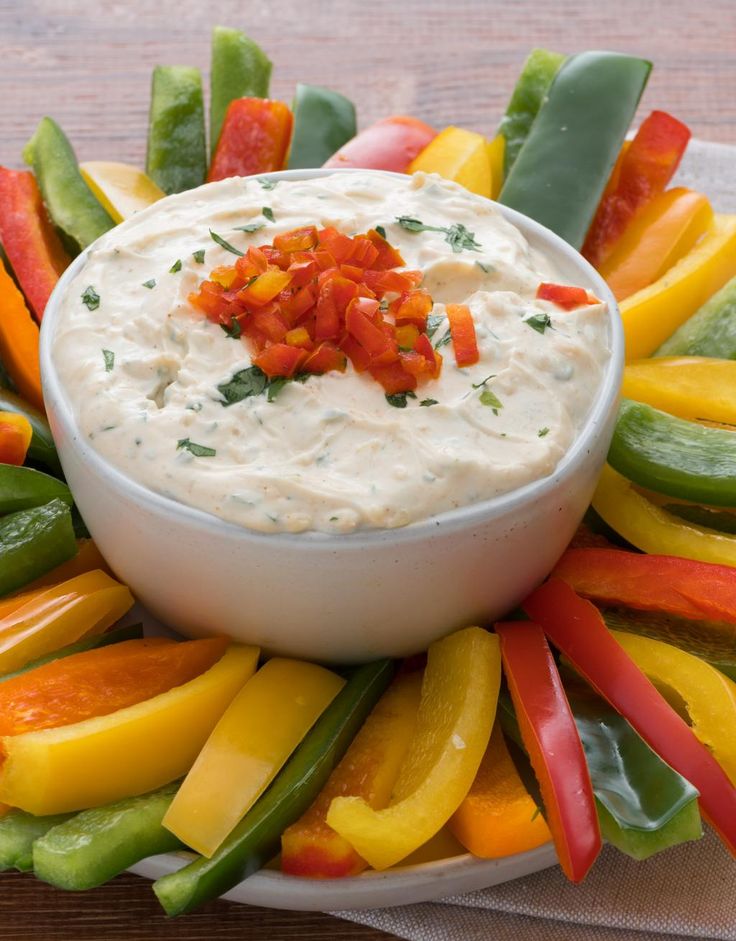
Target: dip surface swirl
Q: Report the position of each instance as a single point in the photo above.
(140, 366)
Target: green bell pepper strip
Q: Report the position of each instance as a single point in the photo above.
(239, 69)
(176, 159)
(256, 838)
(91, 847)
(675, 457)
(324, 120)
(722, 521)
(72, 205)
(34, 541)
(42, 449)
(18, 832)
(563, 167)
(711, 331)
(23, 487)
(527, 98)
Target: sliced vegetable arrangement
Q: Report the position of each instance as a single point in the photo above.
(616, 719)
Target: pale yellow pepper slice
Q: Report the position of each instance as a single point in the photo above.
(247, 748)
(653, 314)
(458, 155)
(61, 615)
(652, 529)
(708, 696)
(121, 188)
(124, 753)
(496, 157)
(456, 714)
(694, 387)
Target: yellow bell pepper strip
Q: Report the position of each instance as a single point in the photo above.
(658, 236)
(458, 706)
(15, 439)
(709, 697)
(711, 331)
(87, 604)
(369, 769)
(128, 752)
(693, 387)
(244, 754)
(33, 541)
(121, 188)
(553, 744)
(460, 156)
(654, 313)
(19, 342)
(577, 629)
(652, 529)
(498, 817)
(496, 155)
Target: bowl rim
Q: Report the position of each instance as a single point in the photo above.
(459, 518)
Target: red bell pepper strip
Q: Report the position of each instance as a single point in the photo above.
(33, 248)
(389, 144)
(552, 741)
(576, 627)
(683, 587)
(255, 138)
(644, 172)
(565, 296)
(462, 331)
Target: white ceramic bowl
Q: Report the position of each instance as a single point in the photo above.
(338, 598)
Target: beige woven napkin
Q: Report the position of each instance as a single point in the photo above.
(686, 892)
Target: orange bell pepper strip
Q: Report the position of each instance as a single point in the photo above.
(658, 236)
(15, 437)
(462, 331)
(566, 296)
(19, 342)
(389, 144)
(644, 170)
(553, 744)
(498, 817)
(576, 628)
(254, 139)
(369, 770)
(29, 240)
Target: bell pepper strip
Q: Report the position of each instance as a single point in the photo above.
(18, 832)
(564, 165)
(553, 745)
(87, 558)
(498, 817)
(658, 236)
(62, 614)
(15, 439)
(31, 245)
(460, 156)
(530, 91)
(577, 629)
(389, 144)
(324, 120)
(122, 189)
(128, 752)
(496, 155)
(242, 756)
(711, 331)
(456, 714)
(255, 840)
(23, 487)
(645, 169)
(653, 314)
(369, 769)
(239, 69)
(697, 388)
(254, 139)
(34, 541)
(176, 157)
(73, 208)
(566, 296)
(85, 850)
(672, 456)
(19, 342)
(462, 331)
(42, 449)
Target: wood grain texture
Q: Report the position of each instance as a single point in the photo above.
(89, 64)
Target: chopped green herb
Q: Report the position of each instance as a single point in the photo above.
(109, 358)
(542, 432)
(478, 385)
(433, 322)
(198, 450)
(398, 399)
(485, 268)
(456, 235)
(443, 341)
(491, 400)
(334, 519)
(198, 256)
(539, 322)
(90, 298)
(268, 184)
(381, 231)
(225, 244)
(175, 267)
(268, 213)
(244, 384)
(150, 284)
(233, 331)
(275, 386)
(428, 402)
(250, 228)
(416, 225)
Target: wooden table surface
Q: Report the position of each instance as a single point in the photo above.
(88, 65)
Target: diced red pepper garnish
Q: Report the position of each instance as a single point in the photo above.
(324, 359)
(280, 359)
(255, 138)
(553, 744)
(394, 378)
(566, 296)
(389, 144)
(298, 240)
(412, 307)
(462, 331)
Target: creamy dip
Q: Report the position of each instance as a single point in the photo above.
(140, 366)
